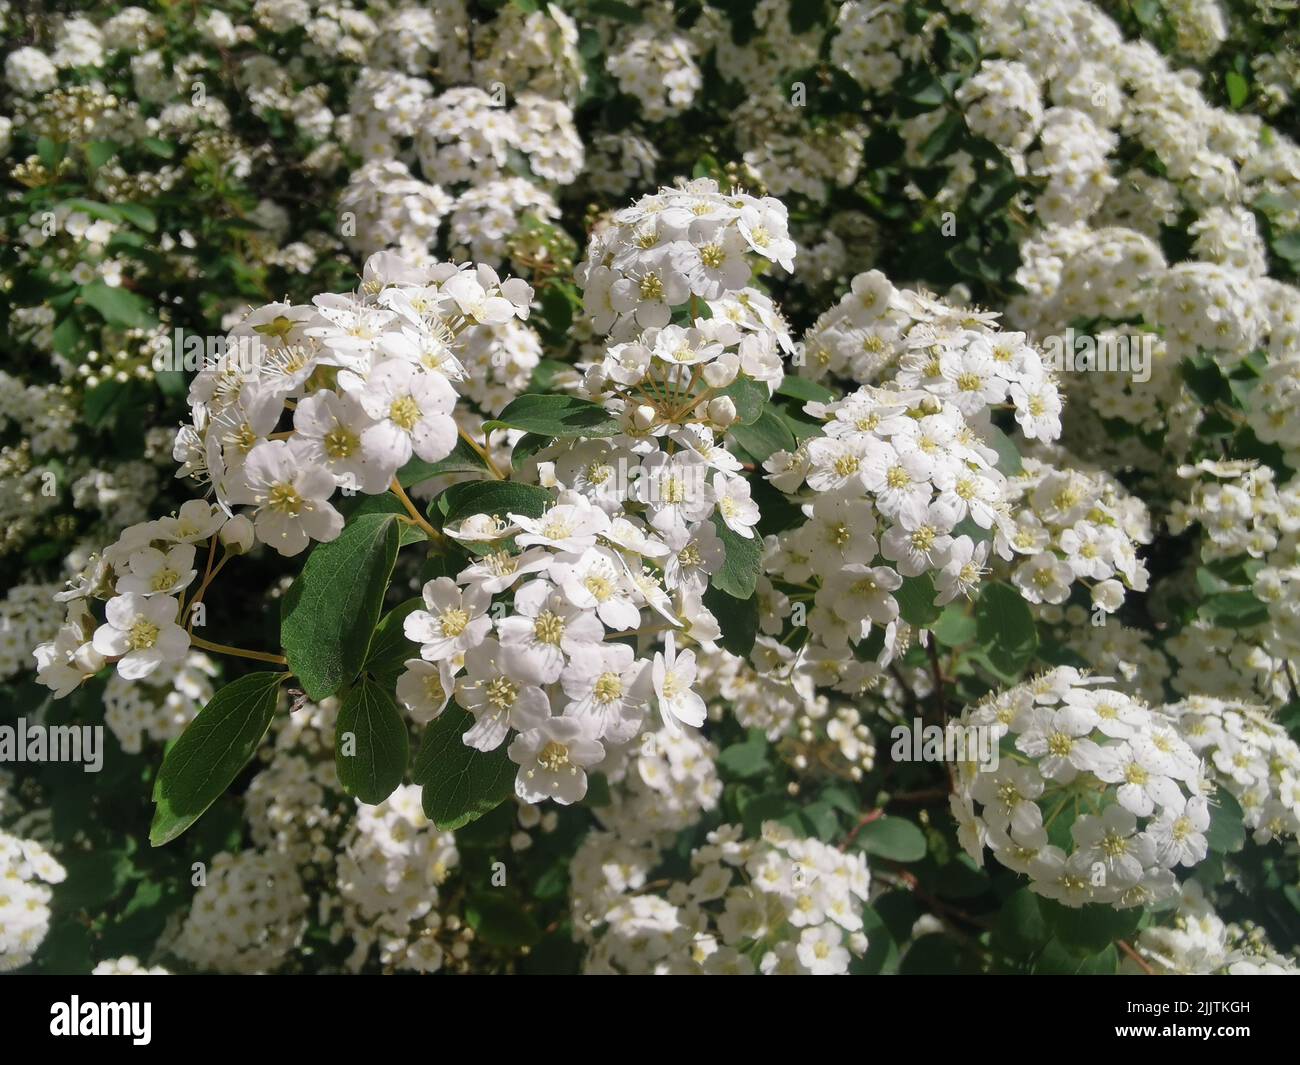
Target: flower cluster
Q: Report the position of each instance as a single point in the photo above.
(777, 904)
(1097, 799)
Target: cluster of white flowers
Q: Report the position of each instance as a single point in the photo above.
(1244, 515)
(779, 905)
(391, 863)
(1198, 943)
(657, 65)
(1073, 527)
(1250, 755)
(248, 914)
(127, 965)
(367, 378)
(26, 620)
(26, 871)
(1098, 798)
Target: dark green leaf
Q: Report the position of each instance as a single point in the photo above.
(460, 784)
(329, 614)
(211, 751)
(372, 727)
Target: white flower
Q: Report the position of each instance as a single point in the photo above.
(291, 495)
(962, 571)
(424, 688)
(156, 573)
(499, 698)
(609, 686)
(821, 950)
(195, 521)
(67, 660)
(552, 758)
(733, 502)
(454, 622)
(567, 526)
(332, 429)
(545, 628)
(141, 632)
(672, 675)
(596, 580)
(412, 409)
(674, 489)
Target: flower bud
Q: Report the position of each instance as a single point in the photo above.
(722, 411)
(644, 416)
(236, 535)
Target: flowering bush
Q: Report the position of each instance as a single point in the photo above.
(649, 487)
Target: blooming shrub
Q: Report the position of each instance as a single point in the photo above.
(649, 487)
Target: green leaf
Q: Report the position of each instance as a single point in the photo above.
(499, 920)
(138, 215)
(1008, 454)
(209, 754)
(1234, 610)
(118, 306)
(749, 397)
(161, 148)
(1227, 831)
(741, 564)
(894, 838)
(381, 748)
(556, 415)
(615, 9)
(1238, 89)
(805, 389)
(50, 153)
(460, 784)
(499, 498)
(955, 627)
(932, 955)
(1020, 927)
(99, 152)
(1005, 628)
(526, 447)
(737, 618)
(1091, 928)
(329, 615)
(942, 140)
(1057, 959)
(390, 648)
(747, 758)
(916, 601)
(767, 435)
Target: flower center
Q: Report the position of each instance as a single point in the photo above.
(142, 635)
(284, 498)
(502, 693)
(340, 442)
(404, 413)
(549, 628)
(553, 757)
(453, 622)
(609, 686)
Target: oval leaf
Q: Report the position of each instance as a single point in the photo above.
(330, 612)
(371, 747)
(460, 784)
(210, 753)
(552, 415)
